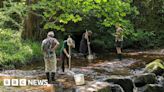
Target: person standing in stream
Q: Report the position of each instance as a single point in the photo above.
(83, 43)
(49, 45)
(64, 54)
(119, 41)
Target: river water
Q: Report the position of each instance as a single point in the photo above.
(99, 69)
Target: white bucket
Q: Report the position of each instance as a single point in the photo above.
(79, 79)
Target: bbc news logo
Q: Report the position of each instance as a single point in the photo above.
(24, 82)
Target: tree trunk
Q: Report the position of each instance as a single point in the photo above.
(1, 3)
(32, 28)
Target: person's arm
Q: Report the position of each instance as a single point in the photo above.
(86, 37)
(116, 37)
(66, 53)
(42, 46)
(65, 49)
(56, 45)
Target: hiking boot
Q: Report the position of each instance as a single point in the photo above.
(53, 76)
(120, 57)
(48, 77)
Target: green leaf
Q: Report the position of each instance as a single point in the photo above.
(104, 0)
(97, 1)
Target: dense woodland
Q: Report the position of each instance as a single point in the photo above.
(24, 24)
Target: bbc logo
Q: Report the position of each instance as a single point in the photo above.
(14, 82)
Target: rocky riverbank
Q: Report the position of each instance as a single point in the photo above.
(101, 75)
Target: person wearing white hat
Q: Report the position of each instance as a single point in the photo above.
(64, 53)
(49, 45)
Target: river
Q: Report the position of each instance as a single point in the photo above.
(99, 69)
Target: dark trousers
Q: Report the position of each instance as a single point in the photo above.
(64, 59)
(50, 77)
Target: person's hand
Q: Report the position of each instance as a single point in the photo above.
(68, 56)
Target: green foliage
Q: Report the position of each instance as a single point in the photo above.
(12, 14)
(103, 43)
(58, 13)
(151, 15)
(133, 39)
(100, 16)
(79, 15)
(13, 51)
(36, 48)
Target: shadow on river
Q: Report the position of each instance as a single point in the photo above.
(98, 69)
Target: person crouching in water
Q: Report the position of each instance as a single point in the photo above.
(49, 45)
(83, 43)
(64, 54)
(119, 41)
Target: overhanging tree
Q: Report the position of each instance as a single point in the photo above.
(56, 14)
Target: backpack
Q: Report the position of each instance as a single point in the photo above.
(47, 47)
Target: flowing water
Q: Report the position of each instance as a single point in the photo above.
(99, 69)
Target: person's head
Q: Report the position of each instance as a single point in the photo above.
(67, 36)
(89, 33)
(70, 41)
(50, 34)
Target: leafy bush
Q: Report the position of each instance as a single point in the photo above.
(12, 50)
(36, 48)
(15, 51)
(133, 39)
(12, 14)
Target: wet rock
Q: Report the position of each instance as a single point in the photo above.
(94, 87)
(124, 82)
(162, 51)
(160, 80)
(116, 88)
(151, 88)
(78, 55)
(155, 66)
(83, 70)
(143, 79)
(23, 73)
